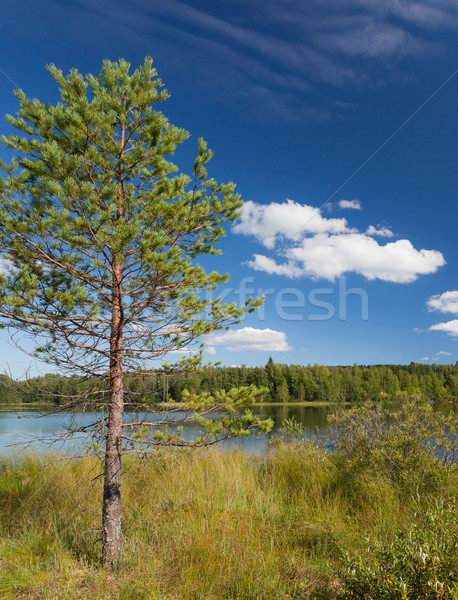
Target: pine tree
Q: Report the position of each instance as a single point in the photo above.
(103, 235)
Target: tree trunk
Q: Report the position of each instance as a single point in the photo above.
(111, 511)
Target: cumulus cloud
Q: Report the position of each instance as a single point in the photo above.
(444, 353)
(268, 265)
(269, 223)
(380, 231)
(249, 338)
(353, 204)
(445, 303)
(332, 256)
(450, 327)
(310, 245)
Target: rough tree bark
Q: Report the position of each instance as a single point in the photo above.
(111, 510)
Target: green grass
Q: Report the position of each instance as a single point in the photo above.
(197, 526)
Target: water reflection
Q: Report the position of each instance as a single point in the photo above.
(310, 417)
(36, 428)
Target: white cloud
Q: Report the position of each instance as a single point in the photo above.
(353, 204)
(268, 265)
(450, 327)
(381, 231)
(444, 353)
(249, 338)
(374, 40)
(269, 223)
(5, 265)
(266, 60)
(426, 13)
(210, 350)
(445, 303)
(425, 358)
(314, 246)
(330, 256)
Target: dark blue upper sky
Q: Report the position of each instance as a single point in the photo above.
(294, 97)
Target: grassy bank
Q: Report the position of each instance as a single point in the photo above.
(26, 406)
(204, 525)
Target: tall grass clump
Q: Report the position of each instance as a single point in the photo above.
(221, 525)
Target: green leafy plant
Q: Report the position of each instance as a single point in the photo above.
(411, 444)
(421, 562)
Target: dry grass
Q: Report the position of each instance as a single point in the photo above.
(197, 526)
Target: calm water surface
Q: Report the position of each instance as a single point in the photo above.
(27, 426)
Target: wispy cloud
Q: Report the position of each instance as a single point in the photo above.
(371, 40)
(275, 56)
(428, 14)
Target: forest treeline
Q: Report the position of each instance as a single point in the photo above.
(285, 383)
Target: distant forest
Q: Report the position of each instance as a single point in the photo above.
(285, 383)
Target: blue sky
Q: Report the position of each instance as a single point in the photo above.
(312, 108)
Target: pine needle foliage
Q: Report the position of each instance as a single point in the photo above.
(103, 236)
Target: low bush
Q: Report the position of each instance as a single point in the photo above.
(415, 447)
(421, 562)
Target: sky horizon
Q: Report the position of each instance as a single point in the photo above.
(338, 125)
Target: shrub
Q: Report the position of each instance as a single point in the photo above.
(412, 445)
(421, 562)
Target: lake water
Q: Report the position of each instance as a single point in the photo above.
(17, 427)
